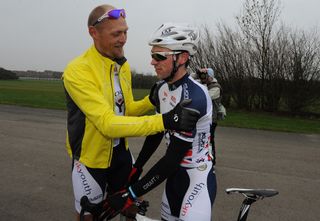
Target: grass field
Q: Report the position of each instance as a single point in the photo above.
(33, 93)
(50, 94)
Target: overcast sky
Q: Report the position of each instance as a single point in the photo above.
(47, 34)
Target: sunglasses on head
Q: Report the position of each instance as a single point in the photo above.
(161, 56)
(112, 14)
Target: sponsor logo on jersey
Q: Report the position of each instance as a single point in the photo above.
(172, 104)
(174, 99)
(185, 91)
(192, 197)
(202, 167)
(119, 100)
(200, 160)
(96, 197)
(165, 205)
(151, 182)
(203, 141)
(175, 118)
(83, 178)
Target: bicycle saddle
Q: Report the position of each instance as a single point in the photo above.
(253, 192)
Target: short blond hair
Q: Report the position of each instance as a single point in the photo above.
(97, 12)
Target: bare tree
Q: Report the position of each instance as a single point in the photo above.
(257, 23)
(275, 78)
(261, 65)
(235, 67)
(206, 51)
(303, 76)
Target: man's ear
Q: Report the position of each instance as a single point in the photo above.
(93, 32)
(184, 56)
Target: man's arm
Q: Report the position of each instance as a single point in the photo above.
(123, 199)
(159, 172)
(150, 145)
(86, 95)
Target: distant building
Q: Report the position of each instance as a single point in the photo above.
(38, 74)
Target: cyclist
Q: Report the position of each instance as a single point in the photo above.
(191, 183)
(101, 110)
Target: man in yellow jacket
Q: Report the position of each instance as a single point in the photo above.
(102, 111)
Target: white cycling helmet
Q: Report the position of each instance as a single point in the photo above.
(176, 37)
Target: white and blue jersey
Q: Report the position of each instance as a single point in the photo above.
(191, 183)
(187, 88)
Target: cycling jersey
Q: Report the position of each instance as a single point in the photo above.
(92, 123)
(187, 88)
(191, 184)
(187, 150)
(189, 193)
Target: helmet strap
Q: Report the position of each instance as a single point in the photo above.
(174, 69)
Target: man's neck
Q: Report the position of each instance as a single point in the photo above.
(179, 74)
(102, 53)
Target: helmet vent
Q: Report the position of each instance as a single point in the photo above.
(165, 34)
(180, 38)
(157, 40)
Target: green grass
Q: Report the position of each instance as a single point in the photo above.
(267, 121)
(50, 94)
(33, 93)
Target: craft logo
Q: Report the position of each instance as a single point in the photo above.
(151, 182)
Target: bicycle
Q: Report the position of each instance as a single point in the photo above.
(251, 196)
(100, 214)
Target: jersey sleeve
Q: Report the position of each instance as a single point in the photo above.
(150, 145)
(159, 172)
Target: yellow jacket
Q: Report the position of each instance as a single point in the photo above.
(92, 123)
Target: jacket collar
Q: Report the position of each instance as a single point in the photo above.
(179, 82)
(119, 61)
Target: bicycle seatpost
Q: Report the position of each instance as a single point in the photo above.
(251, 196)
(245, 207)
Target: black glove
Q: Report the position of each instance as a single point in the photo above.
(97, 210)
(121, 201)
(142, 207)
(134, 174)
(181, 118)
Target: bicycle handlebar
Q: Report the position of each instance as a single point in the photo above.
(96, 209)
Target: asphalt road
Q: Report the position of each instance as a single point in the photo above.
(35, 181)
